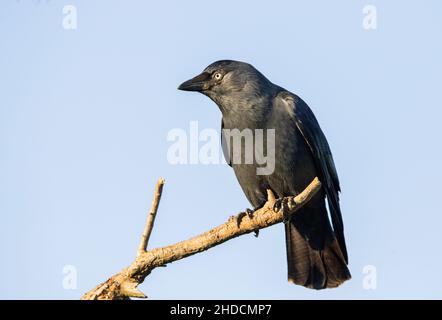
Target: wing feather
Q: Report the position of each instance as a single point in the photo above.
(309, 128)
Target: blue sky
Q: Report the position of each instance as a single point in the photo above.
(85, 113)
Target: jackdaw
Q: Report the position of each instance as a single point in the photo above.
(316, 251)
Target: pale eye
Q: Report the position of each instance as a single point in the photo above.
(218, 76)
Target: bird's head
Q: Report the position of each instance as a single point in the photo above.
(229, 83)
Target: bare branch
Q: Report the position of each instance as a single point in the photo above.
(124, 284)
(151, 217)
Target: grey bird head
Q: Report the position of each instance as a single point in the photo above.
(232, 85)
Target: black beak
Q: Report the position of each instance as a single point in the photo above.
(199, 83)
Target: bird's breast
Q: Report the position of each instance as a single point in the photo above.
(268, 155)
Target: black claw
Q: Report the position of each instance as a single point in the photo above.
(281, 205)
(256, 233)
(250, 213)
(239, 218)
(277, 205)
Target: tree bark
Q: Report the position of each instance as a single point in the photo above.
(124, 284)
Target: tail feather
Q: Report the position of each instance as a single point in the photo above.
(312, 267)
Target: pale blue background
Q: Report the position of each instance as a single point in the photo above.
(84, 117)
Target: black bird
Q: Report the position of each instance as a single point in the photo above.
(316, 252)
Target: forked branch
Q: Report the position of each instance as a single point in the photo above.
(124, 284)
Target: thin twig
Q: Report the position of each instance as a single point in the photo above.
(151, 217)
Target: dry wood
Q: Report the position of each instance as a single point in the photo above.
(124, 284)
(151, 217)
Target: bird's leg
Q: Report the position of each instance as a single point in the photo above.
(281, 204)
